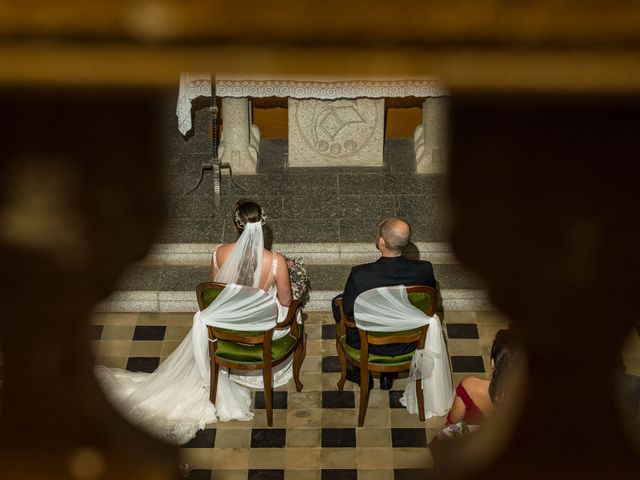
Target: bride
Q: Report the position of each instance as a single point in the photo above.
(173, 402)
(236, 263)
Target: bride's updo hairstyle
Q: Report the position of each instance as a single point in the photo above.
(247, 211)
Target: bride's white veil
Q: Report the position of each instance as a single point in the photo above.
(244, 264)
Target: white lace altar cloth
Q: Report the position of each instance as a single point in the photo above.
(328, 89)
(193, 85)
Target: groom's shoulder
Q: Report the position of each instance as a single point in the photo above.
(405, 261)
(420, 268)
(422, 263)
(363, 267)
(424, 266)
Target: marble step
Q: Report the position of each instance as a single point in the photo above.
(164, 287)
(320, 301)
(313, 253)
(323, 277)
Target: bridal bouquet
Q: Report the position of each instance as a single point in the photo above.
(300, 284)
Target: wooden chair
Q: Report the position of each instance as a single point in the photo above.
(421, 296)
(253, 350)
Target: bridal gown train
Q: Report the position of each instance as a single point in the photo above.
(172, 403)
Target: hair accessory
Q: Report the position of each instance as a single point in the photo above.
(239, 221)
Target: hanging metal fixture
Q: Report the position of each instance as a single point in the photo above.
(215, 162)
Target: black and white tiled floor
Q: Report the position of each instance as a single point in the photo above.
(314, 434)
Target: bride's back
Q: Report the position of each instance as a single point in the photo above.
(267, 279)
(248, 220)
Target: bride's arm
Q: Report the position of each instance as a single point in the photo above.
(215, 262)
(283, 283)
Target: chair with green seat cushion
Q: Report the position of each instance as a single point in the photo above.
(420, 296)
(253, 350)
(375, 358)
(243, 353)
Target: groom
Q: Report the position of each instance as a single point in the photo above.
(392, 268)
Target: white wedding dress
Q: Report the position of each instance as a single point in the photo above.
(172, 403)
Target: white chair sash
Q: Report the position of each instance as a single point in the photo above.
(387, 309)
(237, 307)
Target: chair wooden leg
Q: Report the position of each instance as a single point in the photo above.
(267, 379)
(298, 358)
(364, 395)
(343, 366)
(304, 349)
(420, 395)
(213, 386)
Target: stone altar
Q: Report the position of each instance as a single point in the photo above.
(331, 122)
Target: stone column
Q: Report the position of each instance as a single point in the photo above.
(431, 137)
(240, 140)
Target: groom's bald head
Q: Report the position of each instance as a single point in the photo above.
(395, 232)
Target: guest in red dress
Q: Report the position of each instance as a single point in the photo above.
(476, 398)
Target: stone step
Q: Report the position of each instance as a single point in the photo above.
(185, 301)
(170, 288)
(323, 277)
(312, 253)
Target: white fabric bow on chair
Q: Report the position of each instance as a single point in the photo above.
(237, 307)
(388, 309)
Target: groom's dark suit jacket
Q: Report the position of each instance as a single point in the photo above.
(385, 272)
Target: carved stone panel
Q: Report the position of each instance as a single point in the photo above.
(329, 133)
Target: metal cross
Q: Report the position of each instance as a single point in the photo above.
(215, 163)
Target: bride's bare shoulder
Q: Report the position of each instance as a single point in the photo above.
(224, 249)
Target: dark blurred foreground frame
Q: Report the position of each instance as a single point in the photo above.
(80, 199)
(543, 189)
(544, 195)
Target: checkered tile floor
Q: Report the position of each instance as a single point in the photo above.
(314, 434)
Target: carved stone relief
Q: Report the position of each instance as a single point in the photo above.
(336, 133)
